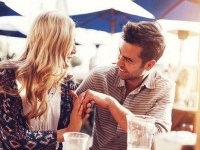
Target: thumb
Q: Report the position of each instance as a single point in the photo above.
(73, 94)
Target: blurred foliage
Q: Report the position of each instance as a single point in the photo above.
(5, 52)
(76, 61)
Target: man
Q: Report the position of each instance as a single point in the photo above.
(133, 86)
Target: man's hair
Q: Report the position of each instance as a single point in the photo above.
(147, 36)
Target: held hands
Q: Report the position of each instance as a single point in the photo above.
(79, 114)
(97, 98)
(83, 104)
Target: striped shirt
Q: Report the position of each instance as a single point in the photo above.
(154, 97)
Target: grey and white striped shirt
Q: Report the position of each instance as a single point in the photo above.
(154, 97)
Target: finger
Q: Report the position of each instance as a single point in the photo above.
(77, 103)
(73, 94)
(89, 105)
(86, 117)
(92, 102)
(87, 99)
(89, 110)
(80, 111)
(79, 98)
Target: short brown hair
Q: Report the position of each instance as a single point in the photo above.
(147, 36)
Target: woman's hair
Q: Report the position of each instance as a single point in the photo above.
(147, 36)
(44, 62)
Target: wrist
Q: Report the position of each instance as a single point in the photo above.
(60, 133)
(73, 128)
(110, 103)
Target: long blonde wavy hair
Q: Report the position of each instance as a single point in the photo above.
(44, 62)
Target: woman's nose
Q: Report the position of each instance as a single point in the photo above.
(73, 50)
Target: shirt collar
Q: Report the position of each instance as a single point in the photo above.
(149, 81)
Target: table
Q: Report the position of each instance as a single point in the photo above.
(183, 118)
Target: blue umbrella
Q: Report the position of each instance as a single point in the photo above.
(12, 33)
(109, 20)
(184, 10)
(8, 26)
(7, 11)
(106, 15)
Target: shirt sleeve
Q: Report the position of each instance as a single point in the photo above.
(87, 83)
(162, 110)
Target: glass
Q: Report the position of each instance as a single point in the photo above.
(75, 141)
(140, 130)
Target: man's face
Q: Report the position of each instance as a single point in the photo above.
(129, 62)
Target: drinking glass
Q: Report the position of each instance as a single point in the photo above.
(75, 141)
(140, 130)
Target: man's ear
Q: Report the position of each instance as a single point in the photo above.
(150, 64)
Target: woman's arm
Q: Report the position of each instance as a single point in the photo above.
(78, 116)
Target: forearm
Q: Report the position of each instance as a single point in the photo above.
(118, 111)
(111, 104)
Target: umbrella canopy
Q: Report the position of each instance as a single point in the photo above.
(7, 11)
(14, 26)
(6, 28)
(12, 33)
(109, 20)
(185, 10)
(105, 15)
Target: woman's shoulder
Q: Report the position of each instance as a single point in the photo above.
(7, 71)
(7, 64)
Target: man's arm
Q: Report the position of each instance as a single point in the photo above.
(105, 101)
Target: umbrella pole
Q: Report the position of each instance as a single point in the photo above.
(197, 116)
(180, 53)
(113, 22)
(182, 35)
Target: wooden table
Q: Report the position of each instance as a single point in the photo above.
(183, 118)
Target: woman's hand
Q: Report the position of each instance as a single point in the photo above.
(78, 115)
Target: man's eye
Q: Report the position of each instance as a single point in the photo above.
(128, 60)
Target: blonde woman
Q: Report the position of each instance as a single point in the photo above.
(35, 105)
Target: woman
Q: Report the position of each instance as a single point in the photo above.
(35, 104)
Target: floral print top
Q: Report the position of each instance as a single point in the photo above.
(14, 132)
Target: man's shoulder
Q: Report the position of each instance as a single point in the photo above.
(159, 76)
